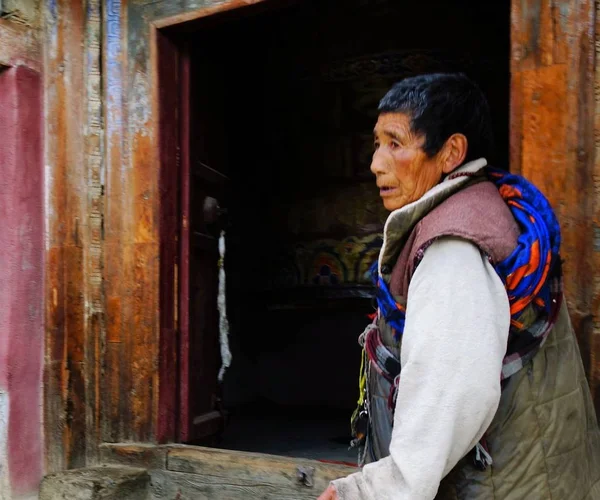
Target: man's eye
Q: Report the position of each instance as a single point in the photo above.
(376, 145)
(394, 145)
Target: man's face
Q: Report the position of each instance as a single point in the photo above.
(403, 171)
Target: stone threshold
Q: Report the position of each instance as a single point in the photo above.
(180, 472)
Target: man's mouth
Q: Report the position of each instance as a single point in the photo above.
(386, 190)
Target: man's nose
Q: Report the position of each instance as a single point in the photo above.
(378, 163)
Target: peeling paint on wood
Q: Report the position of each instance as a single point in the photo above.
(23, 11)
(114, 395)
(131, 235)
(21, 299)
(57, 136)
(5, 493)
(20, 45)
(73, 203)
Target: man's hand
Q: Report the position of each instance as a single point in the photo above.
(329, 494)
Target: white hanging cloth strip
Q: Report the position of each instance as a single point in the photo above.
(222, 305)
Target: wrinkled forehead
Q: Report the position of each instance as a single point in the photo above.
(394, 124)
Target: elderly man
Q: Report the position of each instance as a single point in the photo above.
(472, 384)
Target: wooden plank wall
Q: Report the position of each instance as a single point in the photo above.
(73, 206)
(552, 143)
(64, 212)
(130, 388)
(95, 309)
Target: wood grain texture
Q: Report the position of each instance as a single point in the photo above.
(96, 483)
(539, 32)
(93, 237)
(167, 485)
(135, 455)
(552, 142)
(20, 45)
(119, 258)
(65, 391)
(74, 210)
(258, 468)
(208, 10)
(191, 472)
(131, 234)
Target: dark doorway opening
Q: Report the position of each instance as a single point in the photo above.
(273, 119)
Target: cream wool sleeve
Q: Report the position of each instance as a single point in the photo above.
(456, 334)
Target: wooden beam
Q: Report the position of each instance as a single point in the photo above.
(179, 485)
(93, 237)
(130, 392)
(206, 11)
(73, 208)
(115, 388)
(275, 471)
(198, 472)
(64, 414)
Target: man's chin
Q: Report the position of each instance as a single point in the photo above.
(391, 205)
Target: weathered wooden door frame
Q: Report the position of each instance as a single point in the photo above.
(173, 414)
(552, 140)
(174, 168)
(175, 179)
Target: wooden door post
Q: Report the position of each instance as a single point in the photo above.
(553, 61)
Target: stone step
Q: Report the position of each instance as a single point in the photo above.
(181, 472)
(96, 483)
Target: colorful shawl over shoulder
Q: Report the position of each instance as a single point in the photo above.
(531, 274)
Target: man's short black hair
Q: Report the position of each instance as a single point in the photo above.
(440, 105)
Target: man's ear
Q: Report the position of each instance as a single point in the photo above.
(453, 152)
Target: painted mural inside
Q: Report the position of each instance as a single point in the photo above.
(326, 262)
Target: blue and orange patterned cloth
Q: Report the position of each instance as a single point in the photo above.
(531, 274)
